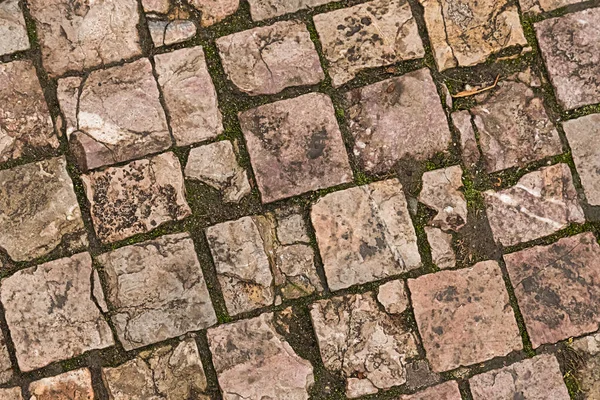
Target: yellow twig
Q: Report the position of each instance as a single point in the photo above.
(472, 92)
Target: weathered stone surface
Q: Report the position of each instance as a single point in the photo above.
(252, 264)
(442, 253)
(39, 210)
(441, 192)
(255, 362)
(541, 6)
(216, 165)
(541, 203)
(395, 119)
(514, 128)
(13, 32)
(373, 34)
(291, 228)
(165, 32)
(72, 385)
(588, 344)
(583, 135)
(54, 301)
(171, 372)
(77, 36)
(268, 59)
(364, 234)
(295, 146)
(214, 11)
(535, 378)
(420, 375)
(11, 394)
(169, 21)
(465, 34)
(392, 296)
(156, 6)
(588, 374)
(119, 116)
(67, 92)
(470, 152)
(25, 120)
(265, 9)
(366, 346)
(136, 198)
(242, 262)
(295, 273)
(571, 48)
(464, 316)
(6, 371)
(190, 95)
(443, 391)
(157, 290)
(293, 266)
(556, 287)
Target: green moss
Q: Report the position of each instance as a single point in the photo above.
(360, 178)
(580, 112)
(474, 197)
(573, 385)
(430, 165)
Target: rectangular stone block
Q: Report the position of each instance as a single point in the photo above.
(157, 290)
(365, 234)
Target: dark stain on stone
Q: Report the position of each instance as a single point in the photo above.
(447, 295)
(366, 250)
(318, 141)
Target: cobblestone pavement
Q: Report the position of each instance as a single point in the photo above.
(299, 199)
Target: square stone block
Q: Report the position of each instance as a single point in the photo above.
(365, 234)
(557, 288)
(79, 35)
(26, 125)
(571, 49)
(268, 59)
(295, 146)
(464, 316)
(117, 113)
(136, 198)
(190, 95)
(171, 372)
(467, 33)
(363, 344)
(52, 312)
(157, 290)
(39, 210)
(536, 378)
(369, 35)
(253, 361)
(541, 203)
(242, 263)
(395, 119)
